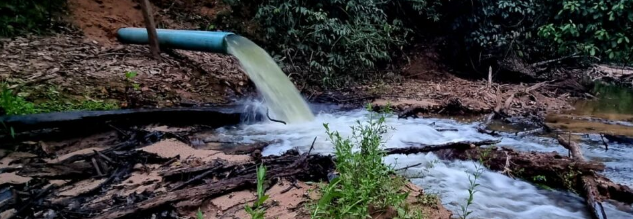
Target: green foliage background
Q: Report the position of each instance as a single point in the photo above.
(333, 42)
(350, 38)
(602, 28)
(19, 17)
(337, 37)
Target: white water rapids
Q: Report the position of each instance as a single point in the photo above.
(498, 196)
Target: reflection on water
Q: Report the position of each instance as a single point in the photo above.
(611, 112)
(611, 102)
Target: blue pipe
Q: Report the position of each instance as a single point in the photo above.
(205, 41)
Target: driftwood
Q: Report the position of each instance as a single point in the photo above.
(430, 148)
(560, 171)
(617, 138)
(590, 190)
(598, 120)
(298, 166)
(499, 110)
(572, 56)
(496, 158)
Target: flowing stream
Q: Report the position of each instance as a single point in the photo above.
(498, 196)
(281, 96)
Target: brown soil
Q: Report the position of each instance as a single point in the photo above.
(287, 201)
(13, 178)
(78, 68)
(99, 20)
(172, 148)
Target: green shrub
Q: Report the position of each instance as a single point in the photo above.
(489, 31)
(11, 104)
(18, 17)
(364, 181)
(486, 32)
(599, 28)
(336, 37)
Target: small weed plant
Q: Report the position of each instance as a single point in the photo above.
(365, 185)
(129, 78)
(199, 214)
(257, 211)
(472, 189)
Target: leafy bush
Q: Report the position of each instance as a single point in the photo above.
(592, 27)
(488, 31)
(11, 104)
(336, 37)
(22, 16)
(364, 181)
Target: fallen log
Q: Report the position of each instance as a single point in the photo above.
(532, 163)
(618, 139)
(588, 183)
(572, 147)
(430, 148)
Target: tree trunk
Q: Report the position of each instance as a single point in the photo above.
(151, 29)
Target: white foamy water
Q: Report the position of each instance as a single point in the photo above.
(498, 197)
(281, 96)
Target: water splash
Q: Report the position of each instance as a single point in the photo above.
(499, 196)
(280, 95)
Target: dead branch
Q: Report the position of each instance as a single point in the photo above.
(555, 168)
(429, 148)
(284, 166)
(407, 167)
(573, 56)
(572, 147)
(606, 146)
(199, 177)
(593, 198)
